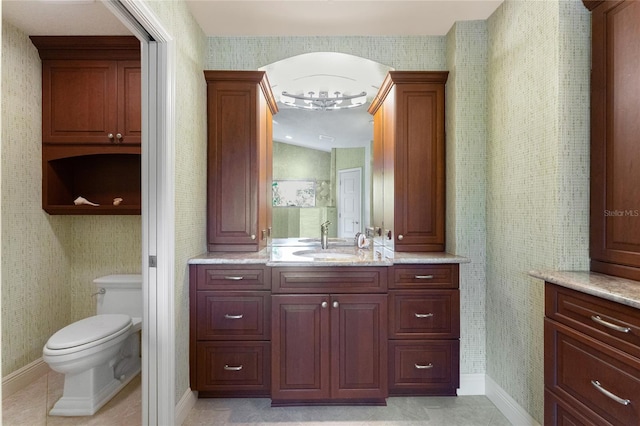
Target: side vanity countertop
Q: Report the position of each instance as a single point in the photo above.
(621, 290)
(345, 256)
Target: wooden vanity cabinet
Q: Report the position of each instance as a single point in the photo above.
(409, 179)
(240, 107)
(424, 330)
(592, 360)
(329, 347)
(615, 151)
(230, 330)
(91, 123)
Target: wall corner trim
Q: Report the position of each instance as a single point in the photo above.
(184, 406)
(472, 384)
(507, 405)
(23, 377)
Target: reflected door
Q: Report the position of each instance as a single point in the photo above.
(349, 202)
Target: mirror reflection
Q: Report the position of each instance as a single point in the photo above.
(322, 137)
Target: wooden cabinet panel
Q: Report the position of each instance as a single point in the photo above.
(324, 280)
(229, 277)
(409, 119)
(240, 315)
(239, 368)
(609, 322)
(239, 107)
(424, 276)
(559, 413)
(129, 102)
(301, 341)
(424, 367)
(615, 153)
(358, 346)
(424, 314)
(329, 348)
(579, 368)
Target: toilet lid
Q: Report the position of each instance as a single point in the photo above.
(88, 330)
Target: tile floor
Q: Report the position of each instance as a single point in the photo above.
(29, 407)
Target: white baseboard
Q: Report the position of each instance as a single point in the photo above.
(23, 377)
(507, 405)
(184, 406)
(472, 384)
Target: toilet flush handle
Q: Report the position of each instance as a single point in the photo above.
(100, 291)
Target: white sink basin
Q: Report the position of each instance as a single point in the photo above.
(325, 254)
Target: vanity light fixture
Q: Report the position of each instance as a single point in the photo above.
(323, 102)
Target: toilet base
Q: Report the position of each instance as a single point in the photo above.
(86, 392)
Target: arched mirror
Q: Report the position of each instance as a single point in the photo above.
(322, 137)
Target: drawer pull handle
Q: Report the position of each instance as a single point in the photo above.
(227, 316)
(231, 368)
(616, 398)
(423, 315)
(233, 278)
(423, 367)
(600, 321)
(423, 277)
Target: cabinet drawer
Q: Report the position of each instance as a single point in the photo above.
(329, 279)
(593, 374)
(239, 315)
(613, 323)
(242, 368)
(229, 277)
(424, 276)
(424, 367)
(424, 314)
(559, 413)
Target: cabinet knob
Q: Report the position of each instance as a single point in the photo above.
(400, 237)
(336, 304)
(253, 236)
(110, 135)
(324, 304)
(119, 136)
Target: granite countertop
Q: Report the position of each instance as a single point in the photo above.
(621, 290)
(336, 255)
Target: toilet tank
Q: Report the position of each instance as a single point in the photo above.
(122, 294)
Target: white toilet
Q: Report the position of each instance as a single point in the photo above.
(99, 355)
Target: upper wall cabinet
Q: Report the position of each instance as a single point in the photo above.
(409, 160)
(615, 126)
(240, 107)
(91, 124)
(90, 90)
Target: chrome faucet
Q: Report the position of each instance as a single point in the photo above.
(324, 234)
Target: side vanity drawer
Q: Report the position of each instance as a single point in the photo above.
(424, 276)
(424, 314)
(603, 382)
(424, 367)
(240, 315)
(232, 277)
(243, 368)
(615, 324)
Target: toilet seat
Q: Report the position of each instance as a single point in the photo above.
(88, 332)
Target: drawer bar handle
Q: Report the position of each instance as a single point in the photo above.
(231, 368)
(233, 278)
(423, 277)
(616, 398)
(227, 316)
(600, 321)
(423, 315)
(423, 367)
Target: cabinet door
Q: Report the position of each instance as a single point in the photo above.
(233, 166)
(79, 101)
(359, 346)
(419, 168)
(615, 152)
(129, 102)
(300, 342)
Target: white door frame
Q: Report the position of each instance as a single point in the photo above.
(158, 212)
